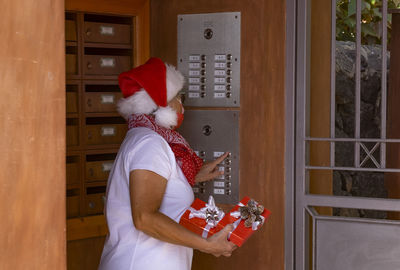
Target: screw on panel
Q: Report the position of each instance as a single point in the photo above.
(207, 130)
(208, 33)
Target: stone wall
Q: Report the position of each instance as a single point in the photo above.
(358, 183)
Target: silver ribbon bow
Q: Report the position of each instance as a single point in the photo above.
(250, 213)
(211, 213)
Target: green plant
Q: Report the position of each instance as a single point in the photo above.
(371, 17)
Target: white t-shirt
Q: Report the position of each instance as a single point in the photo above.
(127, 248)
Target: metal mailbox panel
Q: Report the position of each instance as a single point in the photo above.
(72, 102)
(107, 33)
(71, 64)
(72, 135)
(72, 206)
(357, 245)
(209, 58)
(95, 203)
(105, 134)
(101, 101)
(106, 64)
(210, 134)
(72, 171)
(98, 170)
(70, 30)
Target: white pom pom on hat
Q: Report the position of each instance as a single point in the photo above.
(148, 89)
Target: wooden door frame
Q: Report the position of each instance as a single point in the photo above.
(32, 118)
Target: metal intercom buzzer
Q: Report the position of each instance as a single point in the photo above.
(211, 133)
(209, 58)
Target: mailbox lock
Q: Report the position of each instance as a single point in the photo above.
(203, 72)
(202, 95)
(228, 162)
(203, 65)
(229, 57)
(229, 64)
(203, 87)
(88, 32)
(228, 192)
(208, 33)
(229, 72)
(207, 130)
(229, 87)
(202, 153)
(203, 80)
(228, 95)
(229, 80)
(203, 57)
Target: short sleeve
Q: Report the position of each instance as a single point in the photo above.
(151, 153)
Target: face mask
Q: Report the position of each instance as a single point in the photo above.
(180, 117)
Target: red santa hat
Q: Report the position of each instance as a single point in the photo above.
(148, 89)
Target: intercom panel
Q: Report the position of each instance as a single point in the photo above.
(209, 58)
(211, 133)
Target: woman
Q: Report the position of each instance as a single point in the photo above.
(149, 186)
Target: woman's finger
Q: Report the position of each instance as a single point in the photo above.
(220, 159)
(217, 173)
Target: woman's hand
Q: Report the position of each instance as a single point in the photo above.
(218, 244)
(146, 193)
(209, 169)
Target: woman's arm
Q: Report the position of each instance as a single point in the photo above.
(146, 192)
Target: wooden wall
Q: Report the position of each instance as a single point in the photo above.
(32, 140)
(320, 96)
(392, 180)
(262, 132)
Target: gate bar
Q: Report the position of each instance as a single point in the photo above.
(384, 83)
(333, 82)
(380, 204)
(358, 85)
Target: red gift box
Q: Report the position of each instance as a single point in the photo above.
(199, 225)
(241, 233)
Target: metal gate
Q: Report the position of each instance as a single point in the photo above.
(316, 240)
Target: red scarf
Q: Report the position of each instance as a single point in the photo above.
(187, 159)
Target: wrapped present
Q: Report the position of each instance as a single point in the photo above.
(247, 216)
(203, 218)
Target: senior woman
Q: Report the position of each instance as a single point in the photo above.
(149, 186)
